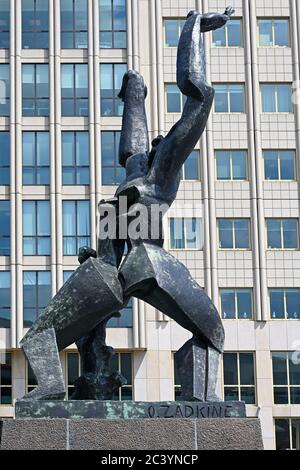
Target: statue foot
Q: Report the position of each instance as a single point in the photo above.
(45, 394)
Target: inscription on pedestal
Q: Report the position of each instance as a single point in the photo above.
(77, 409)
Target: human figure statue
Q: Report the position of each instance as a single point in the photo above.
(105, 281)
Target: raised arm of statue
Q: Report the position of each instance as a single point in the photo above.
(212, 21)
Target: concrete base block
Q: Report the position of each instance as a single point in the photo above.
(133, 434)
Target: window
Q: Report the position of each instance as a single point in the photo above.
(35, 85)
(36, 295)
(76, 226)
(231, 165)
(122, 362)
(74, 91)
(286, 379)
(36, 158)
(4, 228)
(4, 24)
(5, 304)
(279, 165)
(74, 24)
(35, 24)
(239, 377)
(274, 32)
(229, 98)
(185, 234)
(282, 234)
(191, 168)
(75, 158)
(31, 382)
(231, 35)
(287, 433)
(234, 234)
(111, 77)
(285, 304)
(175, 100)
(36, 228)
(112, 172)
(4, 158)
(4, 90)
(73, 372)
(177, 383)
(125, 320)
(173, 28)
(5, 378)
(236, 304)
(276, 97)
(112, 20)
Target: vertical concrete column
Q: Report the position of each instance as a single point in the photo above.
(258, 160)
(252, 161)
(129, 34)
(97, 118)
(52, 144)
(160, 74)
(13, 281)
(295, 23)
(135, 35)
(211, 180)
(92, 123)
(18, 162)
(58, 160)
(153, 71)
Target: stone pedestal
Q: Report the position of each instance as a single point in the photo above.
(141, 434)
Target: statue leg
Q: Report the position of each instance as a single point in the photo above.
(90, 296)
(134, 136)
(166, 284)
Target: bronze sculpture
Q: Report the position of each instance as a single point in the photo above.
(104, 283)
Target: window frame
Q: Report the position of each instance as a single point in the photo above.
(183, 169)
(11, 386)
(179, 30)
(236, 289)
(75, 99)
(242, 41)
(6, 237)
(182, 99)
(276, 112)
(228, 85)
(7, 98)
(36, 307)
(36, 238)
(35, 99)
(239, 386)
(34, 32)
(74, 31)
(183, 219)
(278, 151)
(6, 31)
(288, 385)
(290, 422)
(273, 19)
(116, 166)
(35, 167)
(231, 151)
(76, 237)
(7, 308)
(234, 235)
(76, 168)
(284, 289)
(113, 30)
(114, 98)
(281, 219)
(6, 167)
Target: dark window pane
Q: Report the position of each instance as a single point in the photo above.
(73, 367)
(225, 234)
(244, 304)
(246, 369)
(248, 395)
(295, 395)
(228, 304)
(219, 37)
(281, 32)
(290, 233)
(4, 228)
(271, 165)
(280, 368)
(192, 167)
(126, 367)
(293, 303)
(230, 368)
(281, 396)
(282, 433)
(295, 423)
(231, 393)
(277, 304)
(223, 165)
(274, 234)
(294, 371)
(242, 236)
(234, 29)
(287, 165)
